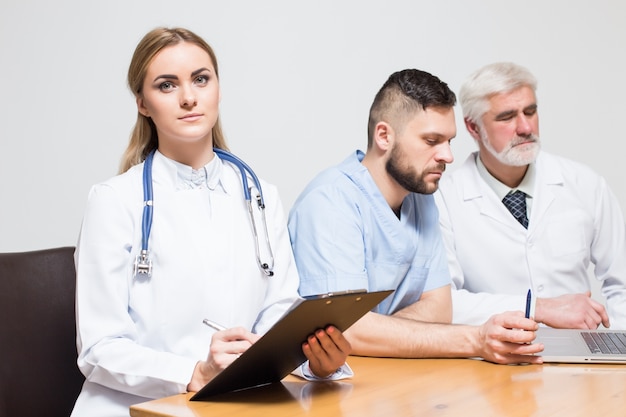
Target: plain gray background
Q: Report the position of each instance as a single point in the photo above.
(297, 81)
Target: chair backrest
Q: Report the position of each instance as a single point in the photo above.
(38, 371)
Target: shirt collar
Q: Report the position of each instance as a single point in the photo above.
(527, 185)
(206, 177)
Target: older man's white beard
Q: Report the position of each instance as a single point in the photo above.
(511, 154)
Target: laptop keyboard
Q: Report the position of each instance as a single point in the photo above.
(605, 342)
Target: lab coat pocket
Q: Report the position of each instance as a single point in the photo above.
(566, 238)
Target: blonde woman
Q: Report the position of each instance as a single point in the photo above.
(145, 283)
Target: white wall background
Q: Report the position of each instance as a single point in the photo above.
(297, 81)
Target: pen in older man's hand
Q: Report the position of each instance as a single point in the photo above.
(213, 325)
(528, 302)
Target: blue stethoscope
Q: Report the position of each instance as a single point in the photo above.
(143, 263)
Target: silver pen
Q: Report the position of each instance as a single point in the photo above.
(213, 325)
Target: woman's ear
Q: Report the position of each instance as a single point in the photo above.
(141, 108)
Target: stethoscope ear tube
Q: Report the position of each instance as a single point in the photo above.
(264, 267)
(267, 269)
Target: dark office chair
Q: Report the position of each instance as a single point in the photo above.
(38, 372)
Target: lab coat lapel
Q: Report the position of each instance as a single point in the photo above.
(477, 191)
(546, 179)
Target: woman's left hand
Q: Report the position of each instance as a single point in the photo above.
(326, 351)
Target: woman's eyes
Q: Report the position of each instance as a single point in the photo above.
(202, 79)
(166, 86)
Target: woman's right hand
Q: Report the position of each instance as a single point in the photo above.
(226, 346)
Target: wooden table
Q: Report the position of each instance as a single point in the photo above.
(423, 387)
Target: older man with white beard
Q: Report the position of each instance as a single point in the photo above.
(564, 218)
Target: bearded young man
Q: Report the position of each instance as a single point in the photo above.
(565, 221)
(371, 223)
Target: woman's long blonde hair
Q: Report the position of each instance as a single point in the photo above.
(144, 138)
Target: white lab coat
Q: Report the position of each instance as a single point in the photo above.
(140, 339)
(575, 223)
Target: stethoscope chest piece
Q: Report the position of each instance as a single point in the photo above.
(142, 268)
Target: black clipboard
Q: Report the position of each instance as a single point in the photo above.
(279, 351)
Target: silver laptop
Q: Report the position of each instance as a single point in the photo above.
(582, 346)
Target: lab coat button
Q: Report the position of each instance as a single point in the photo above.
(539, 288)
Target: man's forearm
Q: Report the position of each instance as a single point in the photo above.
(390, 336)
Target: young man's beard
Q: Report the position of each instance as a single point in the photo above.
(408, 178)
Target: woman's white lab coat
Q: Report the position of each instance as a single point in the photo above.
(140, 338)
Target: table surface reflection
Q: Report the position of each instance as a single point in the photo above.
(422, 387)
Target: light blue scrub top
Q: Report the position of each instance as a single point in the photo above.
(345, 236)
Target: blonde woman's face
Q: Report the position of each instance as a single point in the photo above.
(181, 95)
